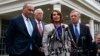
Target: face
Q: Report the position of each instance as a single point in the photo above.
(74, 16)
(56, 17)
(98, 38)
(38, 15)
(28, 10)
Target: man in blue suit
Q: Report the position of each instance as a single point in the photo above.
(21, 34)
(80, 35)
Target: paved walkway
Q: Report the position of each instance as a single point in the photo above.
(4, 55)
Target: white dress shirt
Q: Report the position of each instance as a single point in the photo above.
(28, 25)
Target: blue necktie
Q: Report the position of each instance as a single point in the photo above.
(76, 31)
(29, 27)
(30, 30)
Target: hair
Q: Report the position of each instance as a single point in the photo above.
(59, 13)
(38, 9)
(75, 11)
(26, 4)
(97, 34)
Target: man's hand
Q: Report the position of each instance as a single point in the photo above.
(98, 51)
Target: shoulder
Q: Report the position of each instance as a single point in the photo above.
(49, 25)
(70, 25)
(44, 23)
(84, 26)
(16, 18)
(33, 20)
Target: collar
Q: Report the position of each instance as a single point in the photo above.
(24, 16)
(38, 21)
(76, 24)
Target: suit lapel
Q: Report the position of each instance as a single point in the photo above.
(37, 28)
(34, 27)
(43, 27)
(22, 25)
(81, 30)
(72, 32)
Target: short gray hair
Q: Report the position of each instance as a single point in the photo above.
(26, 4)
(38, 9)
(75, 11)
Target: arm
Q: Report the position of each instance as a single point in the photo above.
(89, 37)
(45, 40)
(10, 33)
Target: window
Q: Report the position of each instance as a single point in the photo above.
(2, 37)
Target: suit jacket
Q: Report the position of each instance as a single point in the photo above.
(85, 39)
(17, 37)
(47, 29)
(94, 49)
(39, 39)
(39, 35)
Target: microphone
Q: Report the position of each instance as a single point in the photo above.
(52, 33)
(65, 28)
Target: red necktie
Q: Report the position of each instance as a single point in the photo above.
(40, 28)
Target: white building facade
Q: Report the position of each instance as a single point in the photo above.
(90, 10)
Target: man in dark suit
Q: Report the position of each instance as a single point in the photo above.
(97, 42)
(96, 46)
(21, 34)
(38, 15)
(81, 36)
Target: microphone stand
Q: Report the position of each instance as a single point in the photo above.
(50, 41)
(75, 52)
(65, 47)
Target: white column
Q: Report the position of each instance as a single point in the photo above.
(91, 22)
(99, 28)
(0, 28)
(57, 6)
(95, 28)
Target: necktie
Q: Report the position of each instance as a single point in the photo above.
(29, 27)
(30, 30)
(40, 28)
(76, 31)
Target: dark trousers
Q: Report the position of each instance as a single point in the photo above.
(26, 53)
(40, 53)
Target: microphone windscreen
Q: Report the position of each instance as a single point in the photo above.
(63, 26)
